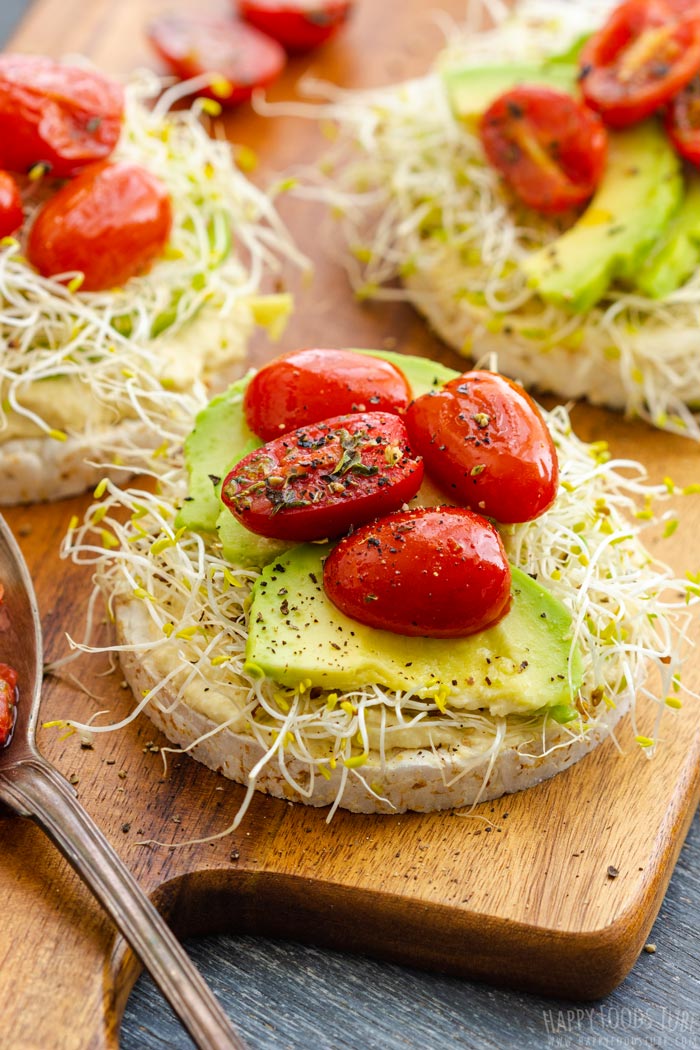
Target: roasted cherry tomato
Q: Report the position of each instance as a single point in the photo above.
(550, 148)
(64, 117)
(299, 25)
(11, 213)
(683, 121)
(440, 572)
(111, 222)
(8, 696)
(320, 480)
(485, 443)
(237, 54)
(307, 386)
(645, 54)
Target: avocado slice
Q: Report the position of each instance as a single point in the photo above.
(220, 433)
(677, 253)
(521, 665)
(221, 437)
(472, 89)
(641, 189)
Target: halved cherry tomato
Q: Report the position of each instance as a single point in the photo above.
(683, 121)
(62, 116)
(645, 54)
(440, 572)
(111, 222)
(11, 212)
(298, 25)
(320, 480)
(485, 443)
(549, 147)
(8, 696)
(193, 45)
(307, 386)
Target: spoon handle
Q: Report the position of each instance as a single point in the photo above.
(35, 789)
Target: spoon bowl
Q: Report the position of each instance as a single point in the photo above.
(33, 788)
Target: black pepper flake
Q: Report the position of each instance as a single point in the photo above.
(612, 872)
(126, 828)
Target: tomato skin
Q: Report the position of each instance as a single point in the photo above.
(320, 480)
(193, 45)
(308, 386)
(111, 222)
(646, 52)
(437, 572)
(8, 687)
(58, 115)
(683, 121)
(9, 675)
(298, 25)
(549, 147)
(485, 443)
(11, 211)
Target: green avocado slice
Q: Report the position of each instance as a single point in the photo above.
(521, 665)
(220, 433)
(676, 255)
(472, 89)
(641, 189)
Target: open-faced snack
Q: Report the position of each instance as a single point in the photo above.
(588, 285)
(134, 274)
(508, 651)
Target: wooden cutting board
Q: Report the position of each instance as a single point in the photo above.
(518, 893)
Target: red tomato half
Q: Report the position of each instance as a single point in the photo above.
(193, 45)
(485, 443)
(322, 479)
(440, 572)
(549, 147)
(298, 25)
(9, 675)
(11, 213)
(644, 54)
(8, 686)
(62, 116)
(111, 222)
(683, 121)
(307, 386)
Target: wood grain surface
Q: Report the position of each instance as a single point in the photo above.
(527, 903)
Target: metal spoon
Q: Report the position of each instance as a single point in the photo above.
(33, 788)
